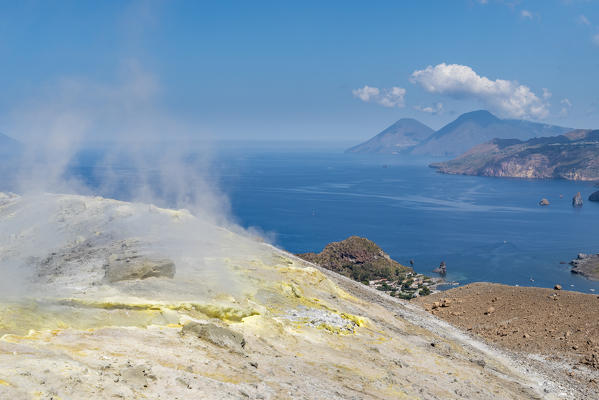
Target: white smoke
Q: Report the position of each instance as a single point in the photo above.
(146, 156)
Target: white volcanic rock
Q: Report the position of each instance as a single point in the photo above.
(238, 318)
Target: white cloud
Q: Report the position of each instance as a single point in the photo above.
(366, 93)
(596, 39)
(584, 20)
(461, 82)
(546, 94)
(436, 109)
(566, 102)
(393, 97)
(526, 14)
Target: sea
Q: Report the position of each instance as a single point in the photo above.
(483, 228)
(302, 197)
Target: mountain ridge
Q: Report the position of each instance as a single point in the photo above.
(466, 131)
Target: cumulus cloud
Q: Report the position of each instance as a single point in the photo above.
(462, 82)
(366, 93)
(546, 94)
(435, 109)
(393, 97)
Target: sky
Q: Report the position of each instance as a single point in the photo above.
(305, 70)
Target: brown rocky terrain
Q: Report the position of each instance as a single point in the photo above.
(555, 325)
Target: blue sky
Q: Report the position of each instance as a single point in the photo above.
(337, 70)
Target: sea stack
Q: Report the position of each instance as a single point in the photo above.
(577, 200)
(441, 269)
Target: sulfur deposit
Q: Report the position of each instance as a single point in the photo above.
(107, 299)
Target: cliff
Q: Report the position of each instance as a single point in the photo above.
(573, 156)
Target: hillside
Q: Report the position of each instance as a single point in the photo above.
(105, 299)
(357, 258)
(402, 136)
(573, 156)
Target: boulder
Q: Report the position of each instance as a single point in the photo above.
(218, 335)
(123, 268)
(558, 287)
(544, 202)
(577, 200)
(594, 196)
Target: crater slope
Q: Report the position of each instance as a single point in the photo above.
(203, 311)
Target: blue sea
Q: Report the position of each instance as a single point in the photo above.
(485, 229)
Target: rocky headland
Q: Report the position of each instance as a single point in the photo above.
(572, 156)
(362, 260)
(586, 265)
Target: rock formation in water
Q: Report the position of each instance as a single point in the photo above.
(594, 196)
(441, 269)
(573, 156)
(544, 202)
(237, 319)
(577, 200)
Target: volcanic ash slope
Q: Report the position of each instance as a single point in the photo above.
(107, 299)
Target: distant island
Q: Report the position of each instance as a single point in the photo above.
(400, 137)
(411, 137)
(573, 156)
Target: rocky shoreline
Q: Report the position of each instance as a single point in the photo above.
(586, 265)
